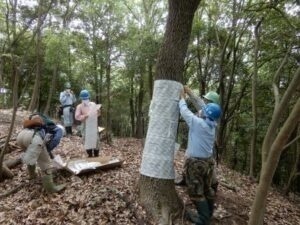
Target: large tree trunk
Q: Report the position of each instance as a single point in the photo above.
(157, 190)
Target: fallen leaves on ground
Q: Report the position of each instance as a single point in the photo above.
(110, 196)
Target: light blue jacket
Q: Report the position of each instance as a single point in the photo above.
(201, 135)
(67, 98)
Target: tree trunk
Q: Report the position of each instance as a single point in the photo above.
(131, 105)
(36, 89)
(51, 90)
(139, 119)
(15, 78)
(254, 109)
(108, 110)
(273, 153)
(150, 79)
(294, 172)
(157, 190)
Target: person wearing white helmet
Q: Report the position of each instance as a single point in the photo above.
(67, 100)
(39, 138)
(199, 164)
(198, 102)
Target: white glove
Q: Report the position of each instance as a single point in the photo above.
(47, 137)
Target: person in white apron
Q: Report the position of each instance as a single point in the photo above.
(87, 112)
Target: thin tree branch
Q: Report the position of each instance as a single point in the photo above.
(291, 142)
(276, 78)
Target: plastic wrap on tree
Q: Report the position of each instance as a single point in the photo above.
(158, 155)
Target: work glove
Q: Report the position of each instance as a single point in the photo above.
(47, 138)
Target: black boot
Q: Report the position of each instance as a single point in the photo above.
(214, 186)
(96, 152)
(192, 216)
(211, 205)
(68, 131)
(89, 152)
(203, 212)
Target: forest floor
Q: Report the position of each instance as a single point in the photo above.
(110, 196)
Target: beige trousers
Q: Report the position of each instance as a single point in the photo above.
(36, 151)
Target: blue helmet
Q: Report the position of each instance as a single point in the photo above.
(212, 111)
(84, 95)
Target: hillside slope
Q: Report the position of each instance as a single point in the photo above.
(110, 197)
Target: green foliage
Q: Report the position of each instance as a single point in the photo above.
(86, 41)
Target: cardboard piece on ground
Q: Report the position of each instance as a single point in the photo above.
(83, 165)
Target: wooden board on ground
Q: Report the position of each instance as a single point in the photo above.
(79, 166)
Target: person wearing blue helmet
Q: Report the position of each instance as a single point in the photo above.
(199, 164)
(87, 113)
(67, 100)
(199, 102)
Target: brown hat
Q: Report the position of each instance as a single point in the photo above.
(35, 121)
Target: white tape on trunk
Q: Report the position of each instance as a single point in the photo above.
(158, 154)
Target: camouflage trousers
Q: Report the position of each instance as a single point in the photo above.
(199, 173)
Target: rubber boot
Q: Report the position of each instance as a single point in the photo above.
(96, 152)
(211, 205)
(214, 186)
(31, 172)
(49, 185)
(89, 152)
(69, 131)
(192, 216)
(203, 212)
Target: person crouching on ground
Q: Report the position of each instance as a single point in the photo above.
(38, 141)
(199, 164)
(87, 112)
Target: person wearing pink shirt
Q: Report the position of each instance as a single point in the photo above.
(87, 112)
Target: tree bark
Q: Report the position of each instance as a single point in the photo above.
(270, 165)
(139, 119)
(36, 89)
(51, 90)
(159, 195)
(293, 174)
(254, 109)
(15, 78)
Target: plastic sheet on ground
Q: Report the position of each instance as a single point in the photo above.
(82, 165)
